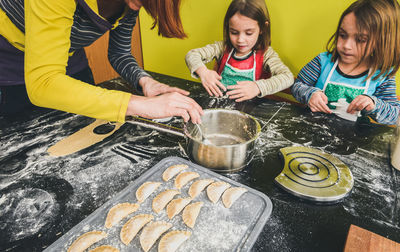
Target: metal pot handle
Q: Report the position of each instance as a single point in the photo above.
(155, 125)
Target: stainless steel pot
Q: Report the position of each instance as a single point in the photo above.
(223, 142)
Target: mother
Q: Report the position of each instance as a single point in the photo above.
(41, 46)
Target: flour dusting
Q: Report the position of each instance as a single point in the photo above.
(26, 211)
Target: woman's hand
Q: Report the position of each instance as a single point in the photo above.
(165, 105)
(243, 90)
(211, 81)
(359, 103)
(163, 101)
(151, 87)
(318, 102)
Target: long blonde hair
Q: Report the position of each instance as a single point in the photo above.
(381, 19)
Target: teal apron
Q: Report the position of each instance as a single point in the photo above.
(337, 90)
(231, 75)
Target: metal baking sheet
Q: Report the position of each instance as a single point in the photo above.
(217, 228)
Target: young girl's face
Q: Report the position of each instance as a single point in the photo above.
(243, 33)
(351, 44)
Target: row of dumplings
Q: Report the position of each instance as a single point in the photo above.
(153, 230)
(150, 233)
(214, 189)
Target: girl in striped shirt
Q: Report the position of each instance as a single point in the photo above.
(359, 66)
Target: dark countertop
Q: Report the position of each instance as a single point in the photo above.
(42, 197)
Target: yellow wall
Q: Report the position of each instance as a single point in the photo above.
(300, 30)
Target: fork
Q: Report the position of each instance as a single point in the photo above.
(134, 152)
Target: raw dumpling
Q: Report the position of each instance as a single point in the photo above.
(151, 232)
(183, 178)
(190, 213)
(132, 227)
(145, 190)
(162, 199)
(215, 190)
(171, 171)
(172, 240)
(198, 186)
(231, 195)
(86, 240)
(105, 248)
(176, 206)
(118, 212)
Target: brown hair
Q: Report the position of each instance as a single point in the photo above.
(166, 16)
(256, 10)
(381, 19)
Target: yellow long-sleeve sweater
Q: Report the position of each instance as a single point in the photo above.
(47, 45)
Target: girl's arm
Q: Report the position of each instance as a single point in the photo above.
(198, 57)
(47, 35)
(281, 76)
(303, 86)
(387, 106)
(119, 51)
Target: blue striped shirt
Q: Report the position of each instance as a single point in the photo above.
(387, 106)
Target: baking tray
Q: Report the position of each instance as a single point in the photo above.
(217, 228)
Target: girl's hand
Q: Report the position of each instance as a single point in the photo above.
(151, 87)
(359, 103)
(243, 90)
(211, 81)
(165, 105)
(318, 102)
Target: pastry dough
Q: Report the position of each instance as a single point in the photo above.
(183, 178)
(231, 195)
(215, 190)
(171, 241)
(132, 227)
(162, 199)
(176, 206)
(86, 240)
(171, 171)
(151, 232)
(145, 190)
(105, 248)
(198, 186)
(118, 212)
(190, 213)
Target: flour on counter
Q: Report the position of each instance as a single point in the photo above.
(381, 197)
(26, 211)
(88, 179)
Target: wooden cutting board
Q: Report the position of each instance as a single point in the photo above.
(359, 239)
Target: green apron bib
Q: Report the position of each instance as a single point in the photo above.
(231, 75)
(336, 90)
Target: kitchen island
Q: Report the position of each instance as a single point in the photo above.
(42, 197)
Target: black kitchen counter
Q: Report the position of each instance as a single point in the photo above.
(42, 197)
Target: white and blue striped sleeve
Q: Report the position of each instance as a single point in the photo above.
(387, 106)
(304, 85)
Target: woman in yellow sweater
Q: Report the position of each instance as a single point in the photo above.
(41, 46)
